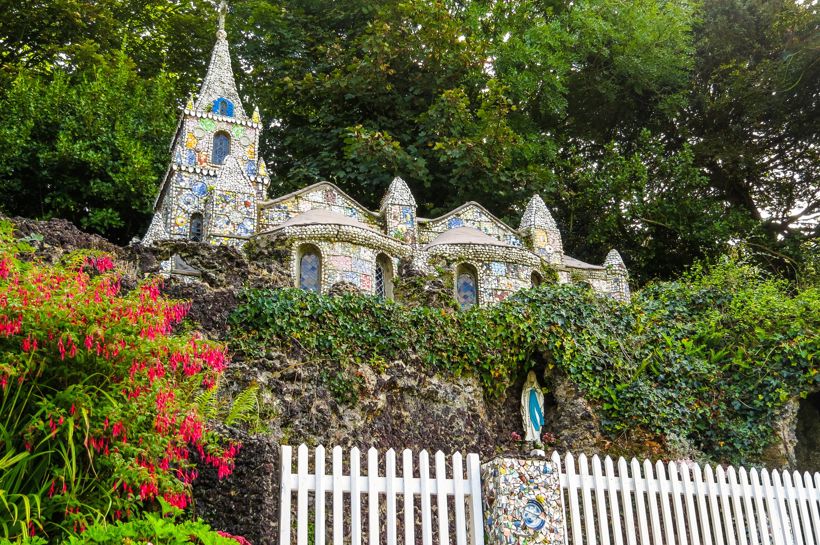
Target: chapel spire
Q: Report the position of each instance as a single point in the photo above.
(219, 82)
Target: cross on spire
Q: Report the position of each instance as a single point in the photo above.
(223, 9)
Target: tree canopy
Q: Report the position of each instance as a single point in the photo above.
(669, 129)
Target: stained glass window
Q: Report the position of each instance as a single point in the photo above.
(222, 147)
(196, 227)
(466, 288)
(379, 281)
(310, 271)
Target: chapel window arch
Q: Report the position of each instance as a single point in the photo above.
(383, 277)
(536, 279)
(223, 106)
(309, 268)
(466, 286)
(221, 148)
(196, 227)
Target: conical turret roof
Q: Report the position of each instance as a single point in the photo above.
(537, 215)
(613, 259)
(398, 193)
(219, 81)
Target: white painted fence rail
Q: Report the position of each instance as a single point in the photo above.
(391, 502)
(668, 504)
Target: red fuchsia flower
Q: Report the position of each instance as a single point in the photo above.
(239, 539)
(4, 268)
(103, 264)
(191, 429)
(148, 490)
(178, 500)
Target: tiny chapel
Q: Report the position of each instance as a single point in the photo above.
(215, 191)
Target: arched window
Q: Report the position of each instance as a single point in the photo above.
(310, 268)
(222, 147)
(383, 277)
(223, 106)
(466, 286)
(536, 279)
(197, 227)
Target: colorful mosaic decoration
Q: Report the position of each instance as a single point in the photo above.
(215, 191)
(466, 290)
(522, 502)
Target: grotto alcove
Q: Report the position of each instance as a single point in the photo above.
(807, 450)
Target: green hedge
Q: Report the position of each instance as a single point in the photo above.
(709, 358)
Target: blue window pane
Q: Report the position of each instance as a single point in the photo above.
(310, 278)
(223, 106)
(466, 290)
(222, 147)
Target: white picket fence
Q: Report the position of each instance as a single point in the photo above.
(608, 503)
(667, 504)
(457, 499)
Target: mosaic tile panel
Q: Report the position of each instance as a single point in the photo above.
(469, 216)
(343, 262)
(522, 502)
(499, 280)
(325, 197)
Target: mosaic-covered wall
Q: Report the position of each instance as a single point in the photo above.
(469, 215)
(342, 262)
(324, 196)
(498, 280)
(522, 502)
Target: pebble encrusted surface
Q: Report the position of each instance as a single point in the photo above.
(522, 501)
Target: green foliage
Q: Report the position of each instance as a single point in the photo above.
(89, 147)
(709, 358)
(152, 528)
(663, 128)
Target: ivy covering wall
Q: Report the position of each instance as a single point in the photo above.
(709, 358)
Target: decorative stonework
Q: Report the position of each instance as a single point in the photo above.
(522, 502)
(216, 185)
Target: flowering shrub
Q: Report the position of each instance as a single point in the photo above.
(98, 412)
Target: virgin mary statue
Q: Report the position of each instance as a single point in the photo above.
(532, 408)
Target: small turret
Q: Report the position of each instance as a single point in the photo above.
(218, 93)
(398, 208)
(540, 229)
(617, 275)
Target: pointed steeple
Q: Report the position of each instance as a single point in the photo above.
(219, 81)
(537, 215)
(255, 117)
(398, 193)
(398, 208)
(617, 276)
(613, 259)
(539, 227)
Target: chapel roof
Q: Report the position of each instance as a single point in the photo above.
(466, 235)
(537, 215)
(322, 216)
(578, 264)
